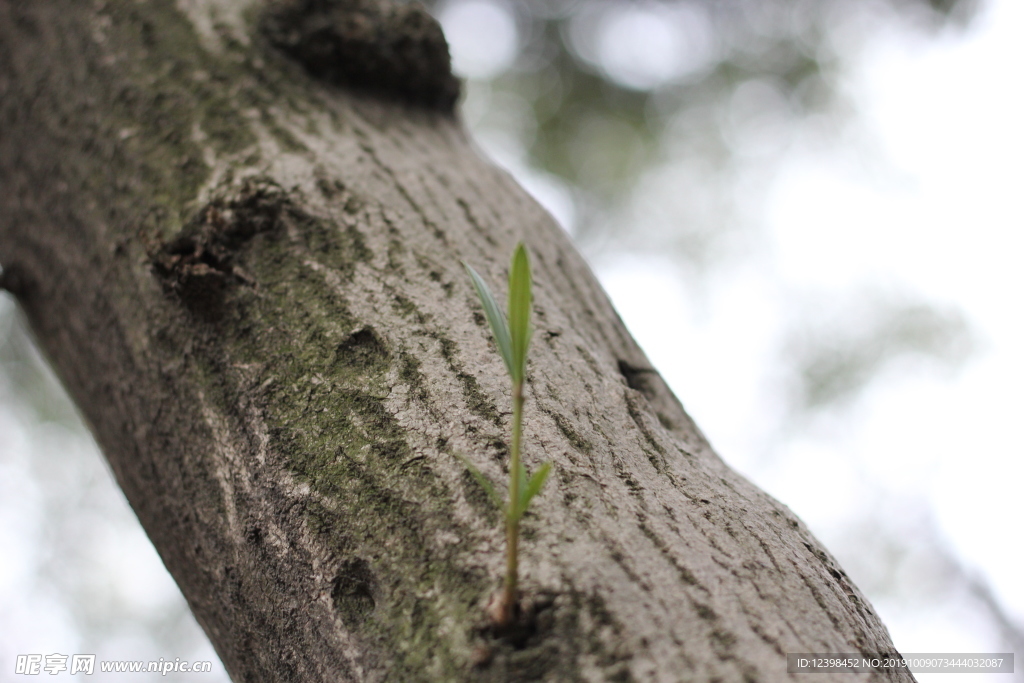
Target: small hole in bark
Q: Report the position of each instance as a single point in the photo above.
(640, 379)
(353, 591)
(362, 350)
(254, 536)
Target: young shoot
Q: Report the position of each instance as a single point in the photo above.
(512, 336)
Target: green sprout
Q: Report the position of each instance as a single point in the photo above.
(512, 335)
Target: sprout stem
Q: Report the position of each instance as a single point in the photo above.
(510, 597)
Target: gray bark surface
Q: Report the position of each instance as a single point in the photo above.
(249, 280)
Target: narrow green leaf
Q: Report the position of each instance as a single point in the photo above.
(485, 484)
(499, 326)
(534, 485)
(520, 300)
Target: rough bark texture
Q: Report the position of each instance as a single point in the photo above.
(249, 280)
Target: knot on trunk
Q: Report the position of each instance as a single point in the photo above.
(381, 46)
(199, 265)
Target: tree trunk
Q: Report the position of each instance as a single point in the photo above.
(237, 235)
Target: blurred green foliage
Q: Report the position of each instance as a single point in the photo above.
(836, 352)
(600, 94)
(26, 381)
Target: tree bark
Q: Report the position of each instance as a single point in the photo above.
(244, 264)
